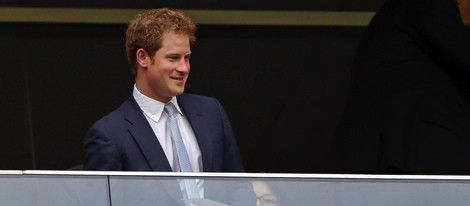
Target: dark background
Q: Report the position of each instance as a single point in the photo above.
(284, 87)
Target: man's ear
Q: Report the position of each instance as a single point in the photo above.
(142, 57)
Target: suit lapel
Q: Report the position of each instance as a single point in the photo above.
(144, 136)
(197, 117)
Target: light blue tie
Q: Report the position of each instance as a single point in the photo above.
(182, 154)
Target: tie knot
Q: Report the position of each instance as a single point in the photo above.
(170, 109)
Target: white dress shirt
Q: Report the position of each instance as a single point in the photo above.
(153, 111)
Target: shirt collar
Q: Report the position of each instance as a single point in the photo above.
(151, 107)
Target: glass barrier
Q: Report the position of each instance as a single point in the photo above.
(61, 188)
(42, 190)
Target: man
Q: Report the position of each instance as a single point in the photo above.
(136, 136)
(408, 110)
(264, 194)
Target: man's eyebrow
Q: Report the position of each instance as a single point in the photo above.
(173, 54)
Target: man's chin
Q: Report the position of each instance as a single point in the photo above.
(178, 92)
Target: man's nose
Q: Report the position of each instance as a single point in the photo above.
(183, 66)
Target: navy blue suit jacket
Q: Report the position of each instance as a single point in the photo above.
(124, 141)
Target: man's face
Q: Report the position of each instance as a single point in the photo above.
(166, 75)
(264, 194)
(464, 6)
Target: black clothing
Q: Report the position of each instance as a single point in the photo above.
(408, 110)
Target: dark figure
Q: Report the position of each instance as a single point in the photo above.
(408, 110)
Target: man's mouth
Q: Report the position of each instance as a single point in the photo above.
(177, 78)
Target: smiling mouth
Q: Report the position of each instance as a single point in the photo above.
(177, 78)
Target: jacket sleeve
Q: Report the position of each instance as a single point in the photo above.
(100, 152)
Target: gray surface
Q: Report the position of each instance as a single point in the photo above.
(57, 189)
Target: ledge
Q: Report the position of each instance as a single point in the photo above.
(200, 17)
